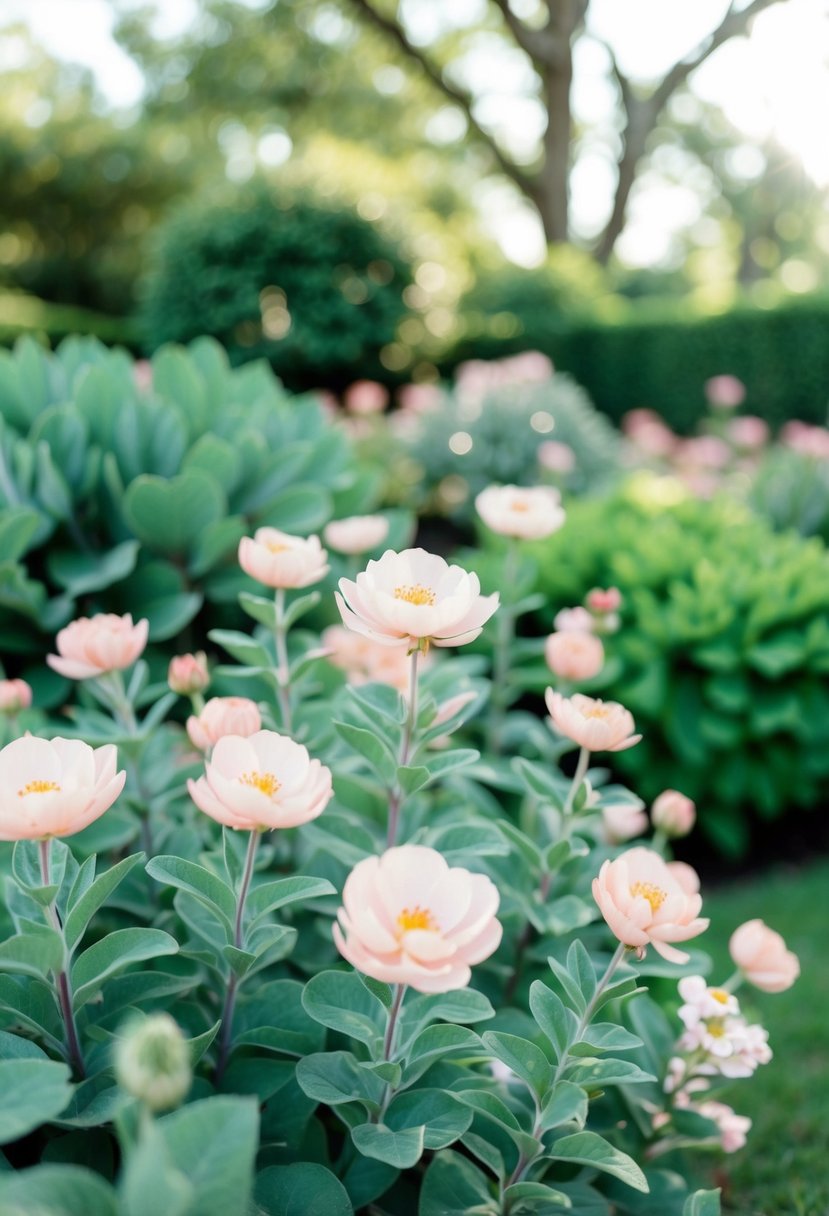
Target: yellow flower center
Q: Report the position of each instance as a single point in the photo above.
(38, 787)
(715, 1028)
(718, 994)
(597, 710)
(265, 782)
(415, 594)
(518, 504)
(417, 918)
(273, 546)
(649, 891)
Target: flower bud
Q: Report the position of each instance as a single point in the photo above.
(14, 696)
(602, 600)
(152, 1062)
(188, 673)
(673, 813)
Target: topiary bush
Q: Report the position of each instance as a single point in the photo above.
(724, 649)
(118, 497)
(315, 290)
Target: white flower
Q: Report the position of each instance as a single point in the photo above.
(527, 514)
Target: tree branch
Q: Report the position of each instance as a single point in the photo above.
(541, 45)
(459, 96)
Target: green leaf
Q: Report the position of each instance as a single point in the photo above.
(586, 1148)
(535, 1197)
(463, 1005)
(488, 1104)
(34, 1092)
(557, 1022)
(442, 1116)
(525, 1059)
(566, 1102)
(453, 1186)
(82, 573)
(335, 1077)
(596, 1074)
(169, 515)
(243, 648)
(372, 747)
(401, 1149)
(18, 527)
(299, 607)
(150, 1181)
(112, 954)
(33, 954)
(703, 1203)
(87, 904)
(259, 609)
(201, 883)
(437, 1043)
(606, 1036)
(581, 968)
(56, 1190)
(301, 1189)
(213, 1142)
(339, 1000)
(272, 895)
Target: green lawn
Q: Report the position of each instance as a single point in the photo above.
(784, 1168)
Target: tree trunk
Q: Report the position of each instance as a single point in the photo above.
(639, 125)
(551, 193)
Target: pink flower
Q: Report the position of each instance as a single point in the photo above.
(366, 661)
(811, 441)
(763, 958)
(733, 1128)
(527, 514)
(673, 813)
(572, 654)
(14, 696)
(601, 600)
(571, 619)
(413, 598)
(646, 429)
(528, 367)
(748, 431)
(188, 673)
(556, 457)
(223, 716)
(725, 392)
(91, 646)
(357, 534)
(260, 783)
(366, 397)
(279, 560)
(705, 452)
(409, 918)
(623, 821)
(55, 787)
(419, 398)
(645, 903)
(599, 726)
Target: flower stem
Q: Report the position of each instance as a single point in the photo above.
(283, 669)
(578, 778)
(63, 987)
(226, 1039)
(391, 1028)
(396, 798)
(504, 637)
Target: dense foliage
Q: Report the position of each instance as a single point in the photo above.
(313, 288)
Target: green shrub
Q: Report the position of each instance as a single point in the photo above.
(24, 314)
(792, 491)
(503, 425)
(118, 499)
(315, 290)
(724, 648)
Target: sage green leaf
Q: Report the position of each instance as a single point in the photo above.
(596, 1074)
(56, 1190)
(202, 884)
(339, 1000)
(703, 1203)
(169, 514)
(301, 1189)
(525, 1059)
(557, 1022)
(82, 573)
(401, 1149)
(34, 1092)
(13, 1047)
(372, 748)
(272, 895)
(442, 1116)
(213, 1143)
(88, 903)
(453, 1186)
(112, 954)
(587, 1148)
(334, 1077)
(33, 954)
(566, 1102)
(437, 1043)
(535, 1197)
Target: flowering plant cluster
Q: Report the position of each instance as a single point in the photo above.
(291, 949)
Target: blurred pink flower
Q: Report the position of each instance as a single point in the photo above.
(725, 392)
(14, 696)
(260, 783)
(556, 457)
(91, 646)
(366, 661)
(420, 398)
(733, 1128)
(598, 726)
(604, 600)
(812, 441)
(55, 787)
(409, 918)
(651, 435)
(748, 432)
(524, 513)
(278, 559)
(704, 452)
(569, 619)
(644, 904)
(223, 716)
(187, 673)
(366, 397)
(356, 534)
(763, 958)
(673, 813)
(573, 654)
(623, 821)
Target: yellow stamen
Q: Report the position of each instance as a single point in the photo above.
(38, 787)
(265, 782)
(518, 505)
(275, 547)
(716, 1029)
(415, 594)
(598, 710)
(719, 994)
(649, 891)
(417, 918)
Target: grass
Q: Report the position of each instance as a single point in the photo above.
(784, 1168)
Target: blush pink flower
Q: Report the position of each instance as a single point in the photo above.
(14, 696)
(733, 1128)
(366, 397)
(572, 654)
(357, 534)
(282, 561)
(598, 726)
(55, 787)
(762, 956)
(623, 821)
(413, 598)
(420, 398)
(646, 429)
(646, 902)
(526, 514)
(409, 918)
(570, 619)
(260, 783)
(188, 673)
(673, 813)
(223, 716)
(811, 441)
(725, 392)
(92, 646)
(748, 432)
(602, 600)
(556, 457)
(365, 661)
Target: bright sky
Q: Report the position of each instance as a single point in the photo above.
(775, 83)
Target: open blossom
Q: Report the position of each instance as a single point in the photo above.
(733, 1128)
(188, 673)
(413, 598)
(280, 560)
(366, 661)
(569, 620)
(55, 787)
(91, 646)
(14, 696)
(573, 654)
(623, 821)
(763, 958)
(527, 514)
(702, 1002)
(600, 726)
(357, 534)
(725, 392)
(673, 813)
(409, 918)
(645, 901)
(263, 782)
(223, 716)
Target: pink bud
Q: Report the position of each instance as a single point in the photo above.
(601, 601)
(673, 813)
(725, 392)
(188, 673)
(14, 696)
